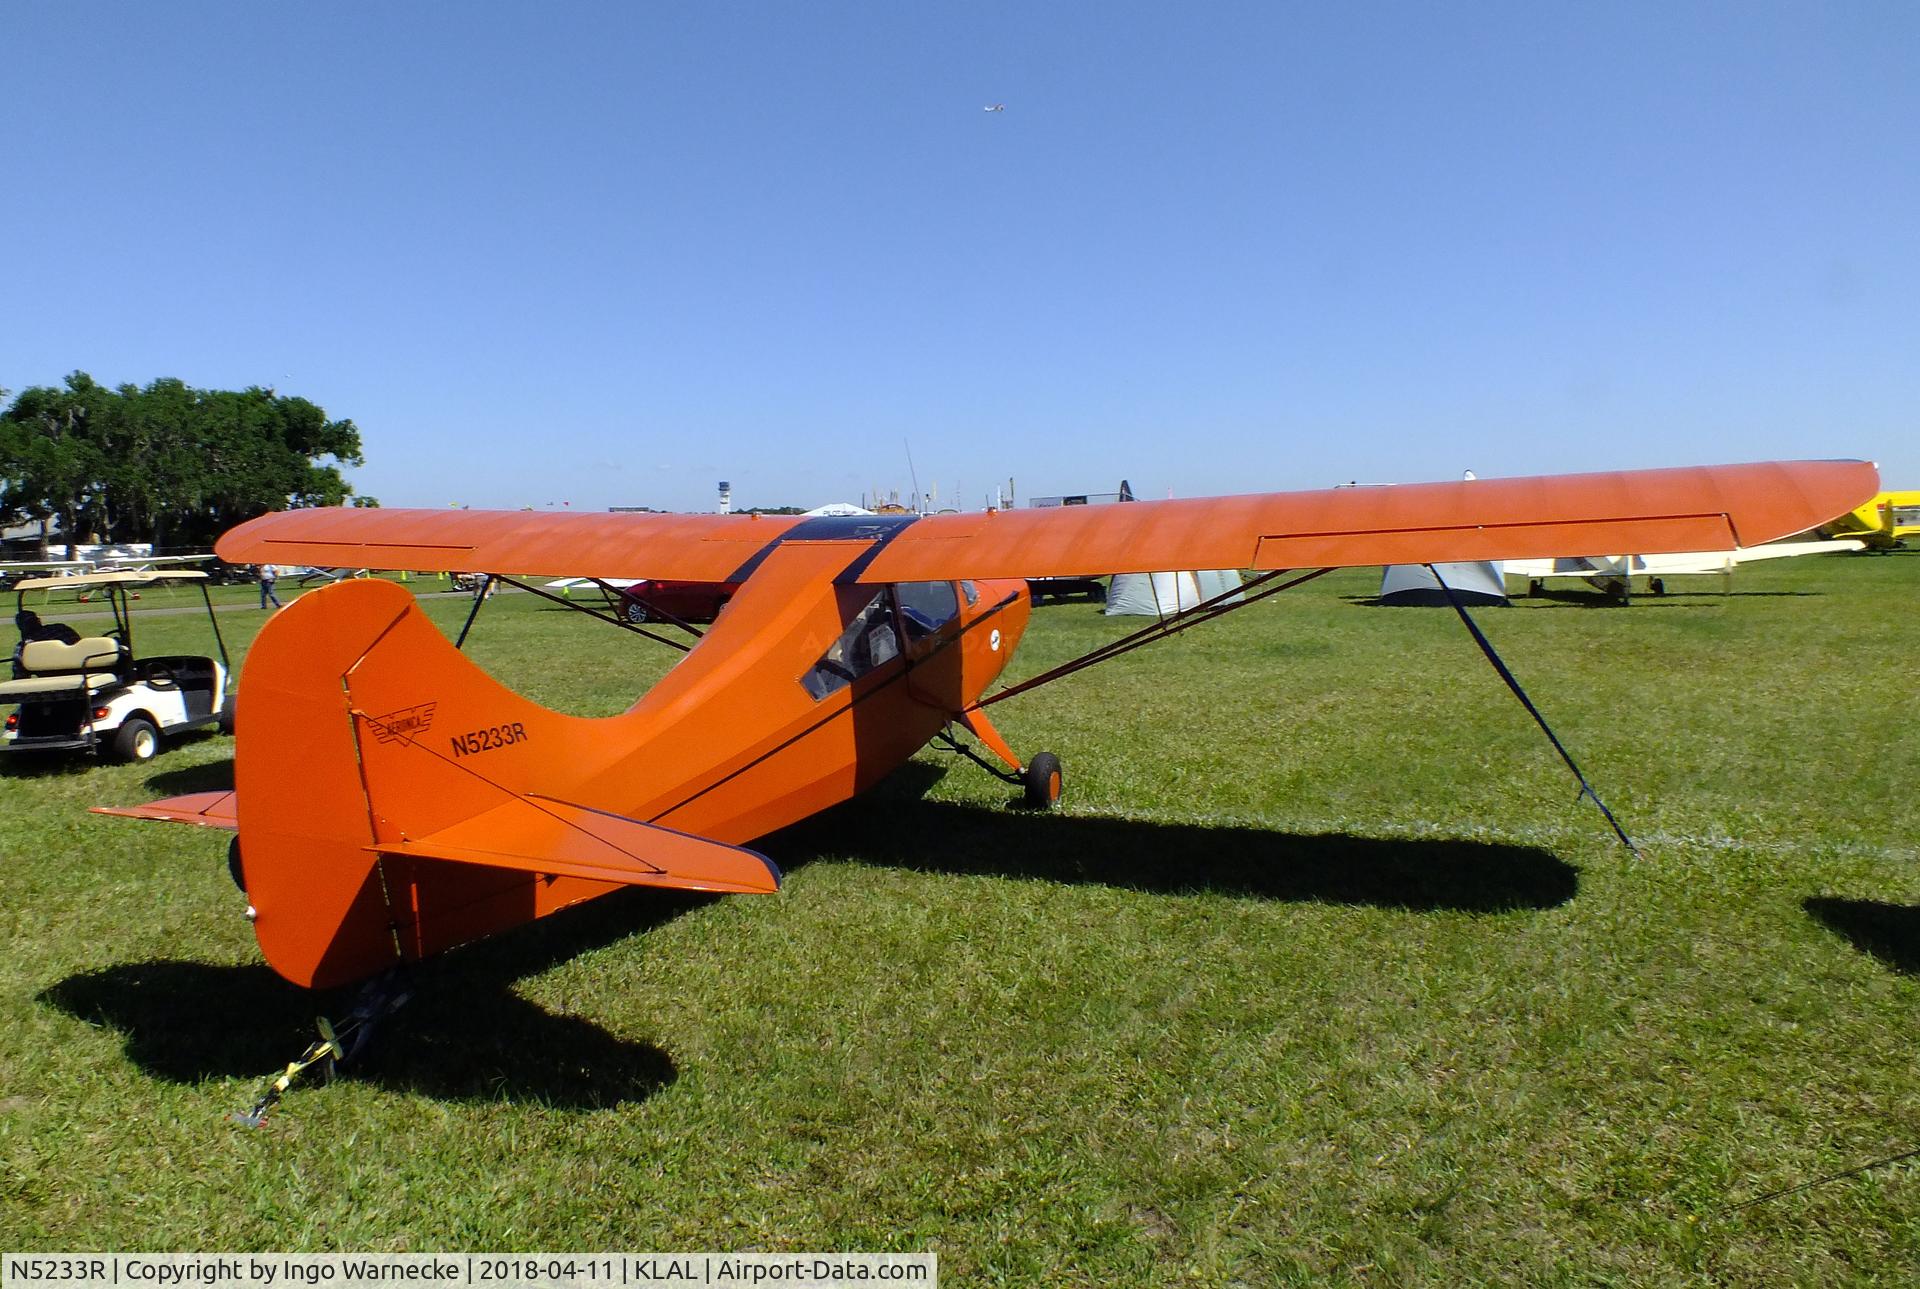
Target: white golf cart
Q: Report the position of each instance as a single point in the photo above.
(94, 693)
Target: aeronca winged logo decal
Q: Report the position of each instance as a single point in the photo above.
(403, 723)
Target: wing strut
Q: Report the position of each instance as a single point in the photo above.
(481, 596)
(1486, 647)
(1205, 611)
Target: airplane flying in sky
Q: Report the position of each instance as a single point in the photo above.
(392, 801)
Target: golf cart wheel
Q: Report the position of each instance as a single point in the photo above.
(234, 869)
(227, 717)
(136, 740)
(1042, 781)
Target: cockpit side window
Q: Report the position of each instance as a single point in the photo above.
(925, 607)
(868, 642)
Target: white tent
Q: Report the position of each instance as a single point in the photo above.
(1476, 583)
(1164, 594)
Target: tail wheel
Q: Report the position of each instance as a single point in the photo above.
(136, 740)
(1042, 781)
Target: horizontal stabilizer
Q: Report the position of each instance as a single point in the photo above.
(206, 809)
(555, 838)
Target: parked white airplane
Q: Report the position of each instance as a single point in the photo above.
(145, 563)
(1614, 573)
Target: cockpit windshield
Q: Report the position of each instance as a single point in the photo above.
(925, 607)
(870, 638)
(868, 642)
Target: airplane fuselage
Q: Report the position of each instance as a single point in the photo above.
(360, 727)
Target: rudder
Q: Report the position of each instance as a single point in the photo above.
(370, 753)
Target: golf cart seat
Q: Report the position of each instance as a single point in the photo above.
(50, 667)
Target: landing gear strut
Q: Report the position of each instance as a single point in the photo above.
(1040, 780)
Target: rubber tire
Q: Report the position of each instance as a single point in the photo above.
(136, 740)
(1042, 781)
(636, 613)
(227, 717)
(234, 867)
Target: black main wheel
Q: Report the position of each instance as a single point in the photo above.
(234, 869)
(1042, 781)
(227, 718)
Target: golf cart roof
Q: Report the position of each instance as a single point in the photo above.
(81, 580)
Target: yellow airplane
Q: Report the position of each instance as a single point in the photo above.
(1880, 523)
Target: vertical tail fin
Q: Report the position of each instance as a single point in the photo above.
(394, 800)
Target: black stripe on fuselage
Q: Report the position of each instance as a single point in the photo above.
(877, 530)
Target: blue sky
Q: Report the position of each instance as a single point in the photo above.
(611, 254)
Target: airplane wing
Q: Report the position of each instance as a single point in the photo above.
(622, 546)
(1651, 511)
(1721, 561)
(1584, 566)
(46, 565)
(1792, 550)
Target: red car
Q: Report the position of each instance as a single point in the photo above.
(663, 600)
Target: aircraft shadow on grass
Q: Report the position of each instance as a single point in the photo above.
(1890, 932)
(464, 1036)
(899, 831)
(894, 825)
(214, 776)
(467, 1036)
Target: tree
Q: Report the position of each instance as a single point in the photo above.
(169, 463)
(51, 456)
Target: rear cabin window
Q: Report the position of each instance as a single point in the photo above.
(868, 642)
(925, 607)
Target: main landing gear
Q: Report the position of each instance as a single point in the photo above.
(1040, 779)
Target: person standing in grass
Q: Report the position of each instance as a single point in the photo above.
(268, 575)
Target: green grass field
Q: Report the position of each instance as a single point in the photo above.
(1320, 973)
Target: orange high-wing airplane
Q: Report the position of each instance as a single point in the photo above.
(392, 801)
